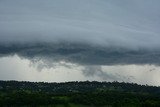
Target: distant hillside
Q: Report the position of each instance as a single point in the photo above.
(78, 93)
(85, 86)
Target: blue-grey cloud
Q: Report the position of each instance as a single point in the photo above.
(92, 32)
(126, 24)
(83, 54)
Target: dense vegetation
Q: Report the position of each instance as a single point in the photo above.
(78, 94)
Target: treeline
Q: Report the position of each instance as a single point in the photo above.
(76, 86)
(114, 94)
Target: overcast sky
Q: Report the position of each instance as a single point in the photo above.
(131, 24)
(88, 33)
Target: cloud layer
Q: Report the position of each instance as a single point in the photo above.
(129, 24)
(91, 32)
(82, 54)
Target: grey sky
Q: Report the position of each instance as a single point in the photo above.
(16, 68)
(82, 31)
(88, 33)
(129, 24)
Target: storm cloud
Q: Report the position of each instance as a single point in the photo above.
(81, 54)
(86, 32)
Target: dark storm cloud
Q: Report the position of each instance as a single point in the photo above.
(82, 53)
(96, 32)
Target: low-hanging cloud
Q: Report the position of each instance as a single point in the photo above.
(86, 32)
(82, 54)
(97, 71)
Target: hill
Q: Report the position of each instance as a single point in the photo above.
(14, 93)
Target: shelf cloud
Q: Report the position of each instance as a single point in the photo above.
(82, 54)
(86, 32)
